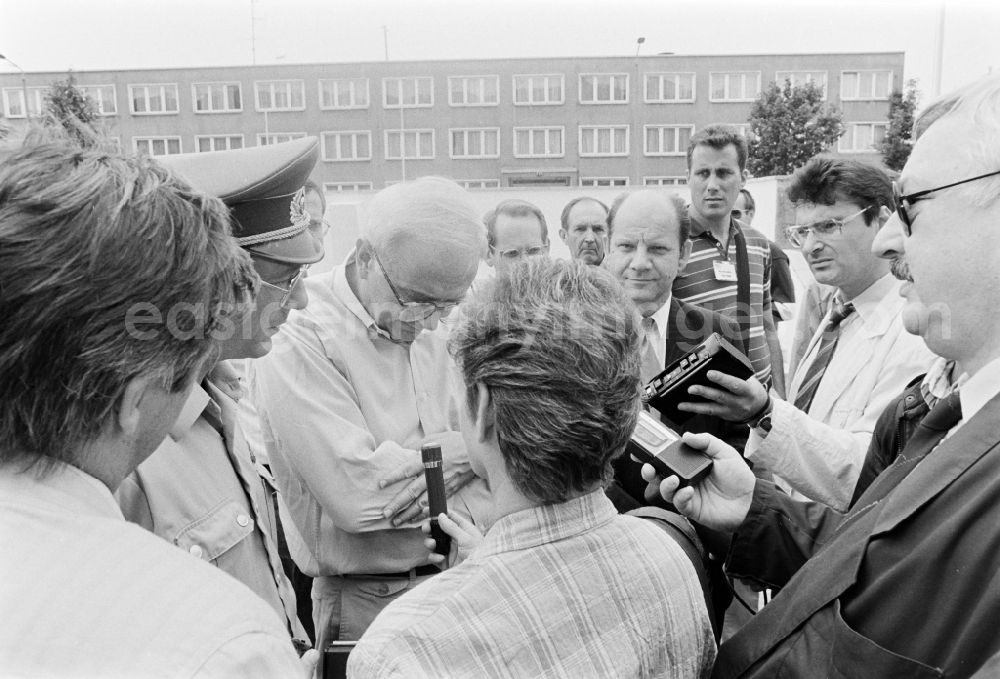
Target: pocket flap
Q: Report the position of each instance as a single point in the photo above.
(217, 531)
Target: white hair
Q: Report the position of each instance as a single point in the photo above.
(431, 210)
(978, 104)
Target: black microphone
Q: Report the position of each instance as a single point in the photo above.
(436, 498)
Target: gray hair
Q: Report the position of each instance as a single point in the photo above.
(980, 102)
(429, 209)
(557, 344)
(94, 244)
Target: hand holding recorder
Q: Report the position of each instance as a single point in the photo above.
(719, 499)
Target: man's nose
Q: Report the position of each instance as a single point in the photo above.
(890, 242)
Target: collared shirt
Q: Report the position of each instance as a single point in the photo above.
(200, 491)
(564, 590)
(698, 284)
(342, 406)
(86, 594)
(977, 390)
(819, 454)
(660, 319)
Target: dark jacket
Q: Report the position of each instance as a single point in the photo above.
(893, 429)
(907, 586)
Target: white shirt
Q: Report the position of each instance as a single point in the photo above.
(660, 319)
(979, 389)
(820, 454)
(86, 594)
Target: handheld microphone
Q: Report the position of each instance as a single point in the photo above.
(436, 498)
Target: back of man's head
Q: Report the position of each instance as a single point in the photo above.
(826, 179)
(556, 343)
(718, 137)
(110, 269)
(430, 221)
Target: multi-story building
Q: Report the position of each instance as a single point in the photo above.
(586, 121)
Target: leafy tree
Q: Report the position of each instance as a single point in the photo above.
(898, 140)
(789, 126)
(69, 106)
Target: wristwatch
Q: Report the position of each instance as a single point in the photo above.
(762, 419)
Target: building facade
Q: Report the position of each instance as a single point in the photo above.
(582, 121)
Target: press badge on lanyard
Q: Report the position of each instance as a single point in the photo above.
(724, 270)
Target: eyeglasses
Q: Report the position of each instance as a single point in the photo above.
(413, 311)
(901, 200)
(828, 227)
(290, 288)
(517, 253)
(736, 214)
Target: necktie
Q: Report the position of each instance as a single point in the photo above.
(827, 344)
(651, 366)
(945, 414)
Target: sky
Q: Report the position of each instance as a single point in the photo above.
(57, 35)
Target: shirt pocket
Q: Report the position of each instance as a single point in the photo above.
(218, 531)
(855, 656)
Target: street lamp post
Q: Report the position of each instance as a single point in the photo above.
(638, 44)
(24, 86)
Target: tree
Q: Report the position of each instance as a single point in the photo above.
(69, 106)
(898, 140)
(789, 126)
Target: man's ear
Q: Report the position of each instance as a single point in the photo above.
(485, 419)
(744, 175)
(685, 256)
(363, 257)
(129, 412)
(562, 234)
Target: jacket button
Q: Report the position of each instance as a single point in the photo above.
(911, 398)
(196, 551)
(243, 520)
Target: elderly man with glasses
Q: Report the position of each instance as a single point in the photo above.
(356, 384)
(201, 490)
(858, 359)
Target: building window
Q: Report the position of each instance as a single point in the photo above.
(416, 92)
(217, 142)
(669, 88)
(799, 78)
(345, 187)
(734, 86)
(475, 142)
(676, 180)
(343, 93)
(862, 137)
(667, 140)
(604, 181)
(157, 146)
(474, 184)
(278, 137)
(153, 99)
(604, 88)
(13, 101)
(538, 142)
(865, 84)
(217, 97)
(603, 140)
(538, 90)
(417, 144)
(104, 98)
(280, 95)
(476, 90)
(350, 145)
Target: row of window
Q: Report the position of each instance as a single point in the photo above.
(418, 91)
(345, 187)
(484, 143)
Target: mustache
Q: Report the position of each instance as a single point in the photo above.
(900, 269)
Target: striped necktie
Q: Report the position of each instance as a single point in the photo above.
(651, 365)
(827, 345)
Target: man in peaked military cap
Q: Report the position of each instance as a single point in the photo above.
(200, 490)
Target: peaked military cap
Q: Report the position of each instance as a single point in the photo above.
(263, 188)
